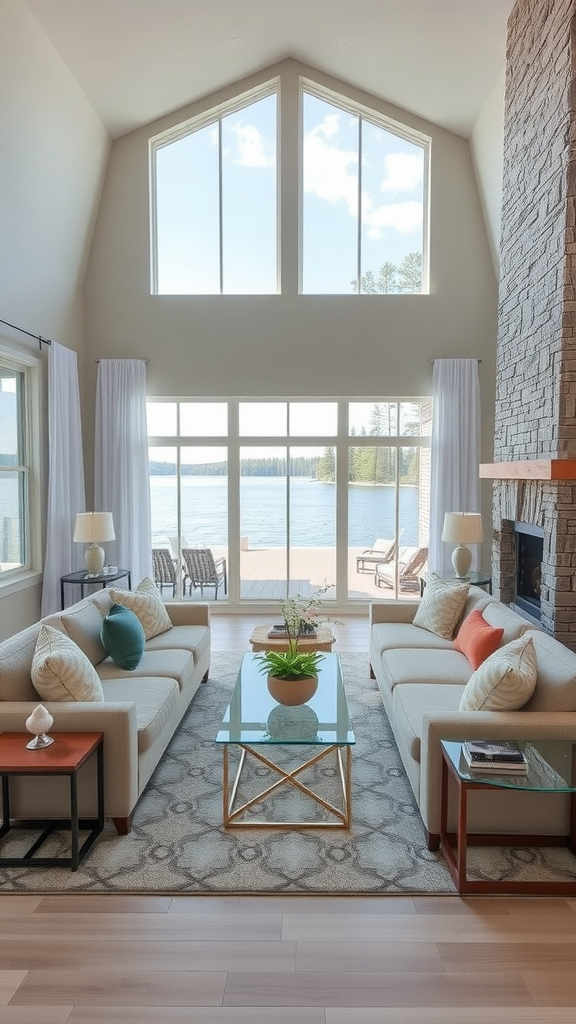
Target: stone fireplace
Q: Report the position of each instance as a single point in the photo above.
(536, 347)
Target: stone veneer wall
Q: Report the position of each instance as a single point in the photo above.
(536, 348)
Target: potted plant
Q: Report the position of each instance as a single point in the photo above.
(293, 674)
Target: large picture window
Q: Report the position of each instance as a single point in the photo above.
(14, 471)
(292, 494)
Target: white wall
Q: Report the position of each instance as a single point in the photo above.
(487, 146)
(53, 155)
(291, 344)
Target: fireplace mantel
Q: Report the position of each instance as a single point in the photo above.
(530, 469)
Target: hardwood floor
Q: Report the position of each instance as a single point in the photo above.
(89, 959)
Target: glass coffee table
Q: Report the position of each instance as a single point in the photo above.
(314, 738)
(551, 769)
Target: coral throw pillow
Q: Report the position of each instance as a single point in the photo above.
(476, 639)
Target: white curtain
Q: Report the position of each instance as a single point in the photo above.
(455, 451)
(66, 495)
(121, 475)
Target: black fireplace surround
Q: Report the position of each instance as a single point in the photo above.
(529, 549)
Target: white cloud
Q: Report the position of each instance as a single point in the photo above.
(402, 172)
(252, 146)
(331, 173)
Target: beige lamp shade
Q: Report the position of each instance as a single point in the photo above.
(91, 528)
(462, 528)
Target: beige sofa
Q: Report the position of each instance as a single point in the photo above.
(140, 712)
(421, 679)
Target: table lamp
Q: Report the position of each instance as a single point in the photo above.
(462, 528)
(93, 527)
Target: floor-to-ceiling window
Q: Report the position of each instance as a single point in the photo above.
(292, 493)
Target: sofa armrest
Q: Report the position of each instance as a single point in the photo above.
(473, 725)
(392, 611)
(188, 613)
(118, 724)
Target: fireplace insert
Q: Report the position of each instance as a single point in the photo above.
(529, 551)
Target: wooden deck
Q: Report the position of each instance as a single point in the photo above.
(263, 574)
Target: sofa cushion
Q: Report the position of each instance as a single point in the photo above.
(177, 665)
(194, 639)
(388, 636)
(411, 702)
(441, 606)
(146, 602)
(476, 639)
(425, 666)
(83, 624)
(123, 637)
(501, 616)
(556, 683)
(156, 703)
(505, 681)
(61, 671)
(16, 655)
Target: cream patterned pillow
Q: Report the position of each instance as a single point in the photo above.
(441, 606)
(147, 604)
(61, 671)
(505, 681)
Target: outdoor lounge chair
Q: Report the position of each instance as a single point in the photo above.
(164, 569)
(203, 570)
(383, 551)
(411, 564)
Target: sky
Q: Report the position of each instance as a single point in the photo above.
(392, 190)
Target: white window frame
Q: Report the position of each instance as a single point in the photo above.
(12, 580)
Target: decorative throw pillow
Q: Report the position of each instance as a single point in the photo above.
(123, 637)
(476, 639)
(441, 606)
(61, 671)
(147, 604)
(505, 681)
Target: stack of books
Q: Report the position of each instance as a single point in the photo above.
(500, 756)
(278, 631)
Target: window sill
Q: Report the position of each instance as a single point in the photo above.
(13, 584)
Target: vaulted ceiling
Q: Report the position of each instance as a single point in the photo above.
(136, 60)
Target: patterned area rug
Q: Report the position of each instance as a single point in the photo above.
(178, 843)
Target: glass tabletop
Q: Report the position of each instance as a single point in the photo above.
(254, 717)
(551, 767)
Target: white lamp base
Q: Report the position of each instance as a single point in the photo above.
(94, 557)
(461, 561)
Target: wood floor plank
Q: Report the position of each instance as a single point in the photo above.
(146, 927)
(381, 957)
(121, 988)
(552, 988)
(40, 1015)
(552, 928)
(198, 1015)
(361, 989)
(10, 981)
(102, 903)
(478, 906)
(285, 903)
(449, 1015)
(485, 957)
(18, 904)
(369, 928)
(133, 955)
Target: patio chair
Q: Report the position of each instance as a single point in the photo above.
(411, 564)
(203, 570)
(383, 551)
(164, 569)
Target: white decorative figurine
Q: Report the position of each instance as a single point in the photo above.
(39, 722)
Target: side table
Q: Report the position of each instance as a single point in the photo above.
(477, 579)
(83, 580)
(551, 769)
(65, 756)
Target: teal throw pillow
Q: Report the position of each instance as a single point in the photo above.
(123, 637)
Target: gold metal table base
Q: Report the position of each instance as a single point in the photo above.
(233, 813)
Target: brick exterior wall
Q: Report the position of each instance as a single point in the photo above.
(536, 346)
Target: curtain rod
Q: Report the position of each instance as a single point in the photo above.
(38, 337)
(111, 357)
(441, 358)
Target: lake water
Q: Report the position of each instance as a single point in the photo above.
(263, 516)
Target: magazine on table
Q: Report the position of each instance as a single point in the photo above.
(494, 755)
